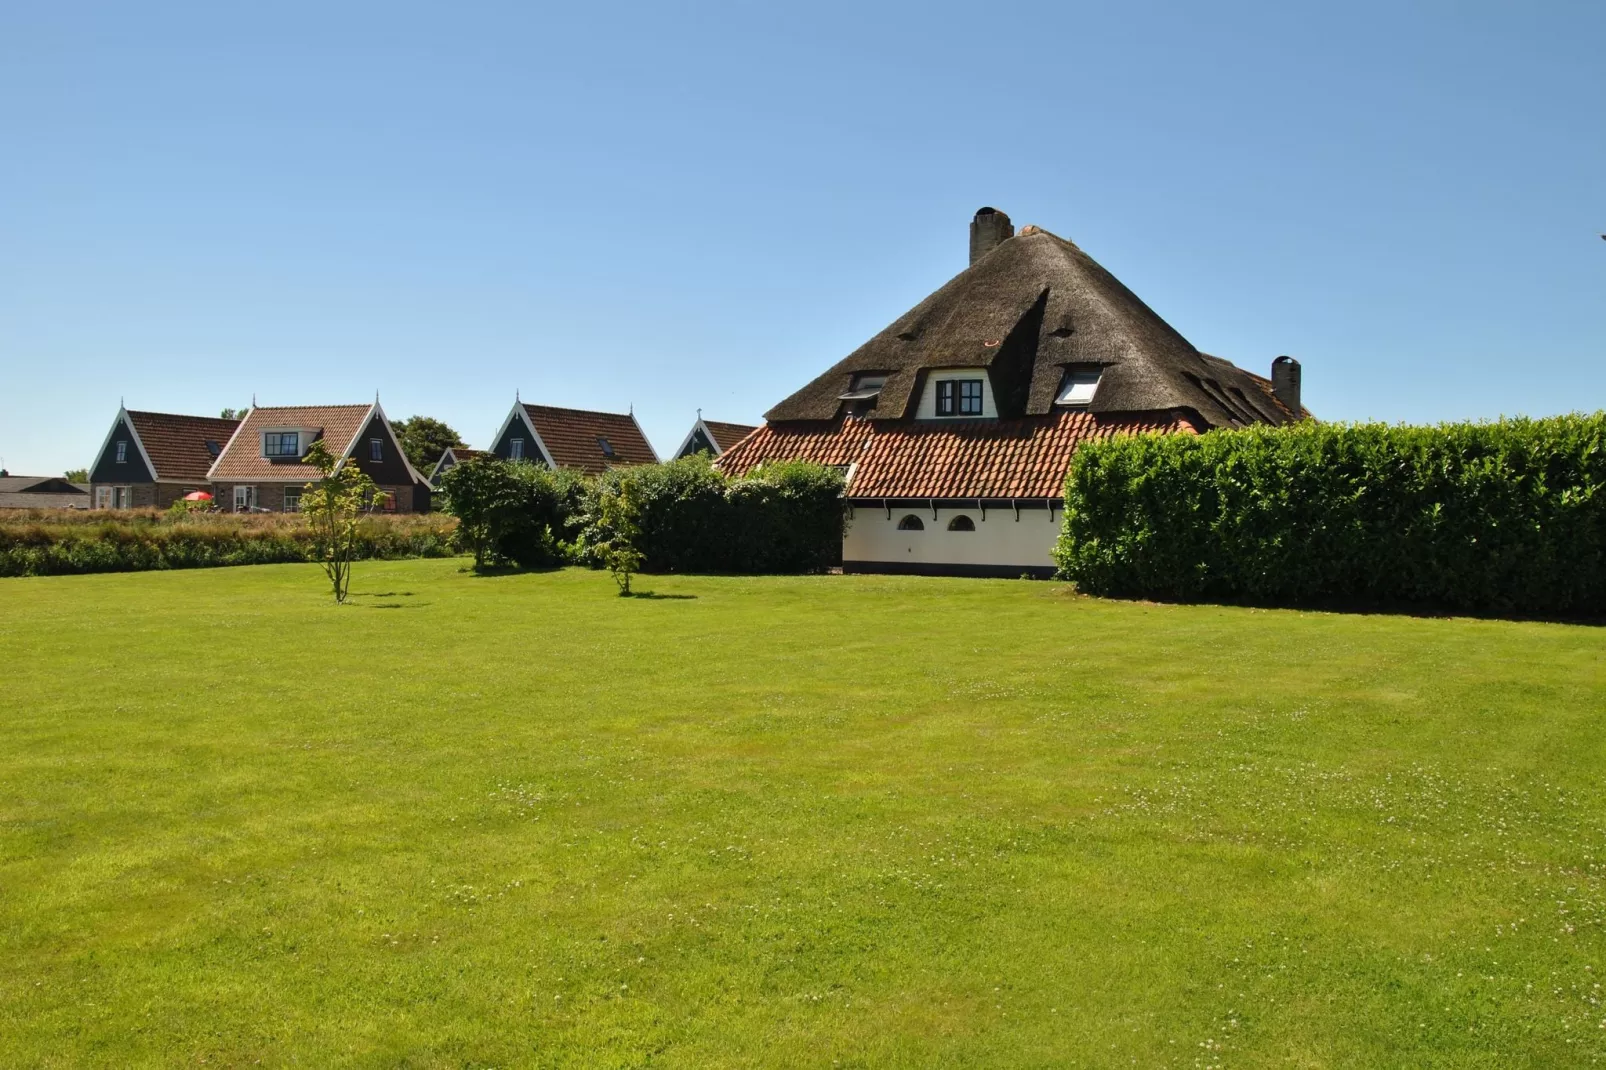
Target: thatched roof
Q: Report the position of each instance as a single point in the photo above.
(1026, 310)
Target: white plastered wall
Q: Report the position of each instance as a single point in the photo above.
(1000, 540)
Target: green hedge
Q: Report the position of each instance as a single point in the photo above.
(782, 518)
(1507, 516)
(44, 545)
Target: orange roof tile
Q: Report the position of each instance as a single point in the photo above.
(727, 435)
(1020, 458)
(337, 425)
(573, 438)
(176, 444)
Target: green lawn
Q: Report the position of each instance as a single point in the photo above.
(787, 821)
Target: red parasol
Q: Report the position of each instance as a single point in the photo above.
(197, 496)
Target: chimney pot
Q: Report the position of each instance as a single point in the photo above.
(1285, 383)
(990, 229)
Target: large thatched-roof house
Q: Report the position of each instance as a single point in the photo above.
(956, 425)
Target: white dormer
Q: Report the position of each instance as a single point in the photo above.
(957, 394)
(286, 443)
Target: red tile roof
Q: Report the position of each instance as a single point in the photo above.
(727, 435)
(337, 425)
(176, 444)
(1021, 458)
(572, 438)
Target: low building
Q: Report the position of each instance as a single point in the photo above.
(712, 437)
(42, 492)
(261, 468)
(956, 425)
(454, 456)
(589, 442)
(152, 459)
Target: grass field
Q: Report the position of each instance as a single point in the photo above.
(815, 821)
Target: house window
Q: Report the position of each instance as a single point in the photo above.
(122, 452)
(1078, 387)
(122, 497)
(911, 523)
(959, 397)
(607, 447)
(515, 449)
(376, 449)
(103, 497)
(961, 523)
(245, 499)
(213, 449)
(292, 499)
(281, 444)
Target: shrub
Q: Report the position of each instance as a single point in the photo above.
(1507, 516)
(515, 513)
(692, 518)
(52, 542)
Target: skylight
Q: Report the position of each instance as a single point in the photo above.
(1078, 388)
(864, 388)
(607, 447)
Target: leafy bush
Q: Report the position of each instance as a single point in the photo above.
(1507, 516)
(692, 518)
(515, 513)
(52, 542)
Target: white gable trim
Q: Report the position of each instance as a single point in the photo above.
(681, 449)
(229, 445)
(520, 413)
(122, 417)
(394, 441)
(655, 458)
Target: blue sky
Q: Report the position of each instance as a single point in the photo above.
(683, 206)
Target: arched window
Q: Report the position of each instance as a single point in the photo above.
(911, 523)
(961, 523)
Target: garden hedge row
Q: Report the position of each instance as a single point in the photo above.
(692, 518)
(1507, 516)
(43, 544)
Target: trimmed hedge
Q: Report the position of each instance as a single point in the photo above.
(48, 544)
(781, 518)
(1507, 516)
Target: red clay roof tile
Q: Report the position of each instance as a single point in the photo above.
(176, 444)
(573, 438)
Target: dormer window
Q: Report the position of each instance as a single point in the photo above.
(607, 447)
(122, 452)
(1078, 387)
(281, 444)
(865, 387)
(959, 397)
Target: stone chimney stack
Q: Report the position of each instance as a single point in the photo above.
(990, 229)
(1285, 383)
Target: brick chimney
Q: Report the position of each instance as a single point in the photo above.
(1285, 383)
(990, 229)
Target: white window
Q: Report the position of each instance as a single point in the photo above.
(1079, 388)
(103, 497)
(292, 499)
(376, 449)
(122, 497)
(122, 451)
(245, 499)
(515, 450)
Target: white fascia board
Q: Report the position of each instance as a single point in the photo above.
(394, 441)
(224, 452)
(655, 458)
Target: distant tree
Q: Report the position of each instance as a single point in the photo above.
(233, 414)
(424, 439)
(621, 516)
(482, 493)
(77, 475)
(333, 505)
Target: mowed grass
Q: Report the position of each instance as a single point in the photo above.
(818, 821)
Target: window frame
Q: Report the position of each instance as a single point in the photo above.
(1074, 378)
(245, 497)
(953, 397)
(273, 443)
(515, 449)
(905, 525)
(607, 447)
(122, 451)
(969, 524)
(376, 450)
(292, 493)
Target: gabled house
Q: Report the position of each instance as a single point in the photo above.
(151, 459)
(261, 467)
(956, 425)
(454, 456)
(712, 437)
(590, 442)
(41, 492)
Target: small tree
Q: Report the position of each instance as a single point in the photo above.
(333, 505)
(481, 493)
(621, 517)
